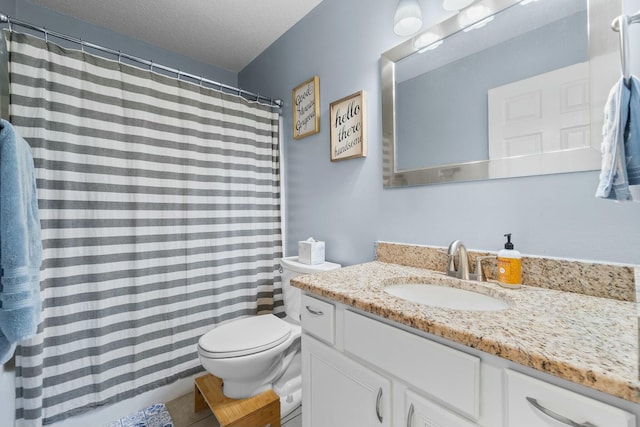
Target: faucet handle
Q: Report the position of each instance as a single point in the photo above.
(478, 271)
(450, 259)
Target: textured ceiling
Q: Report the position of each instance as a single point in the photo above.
(228, 34)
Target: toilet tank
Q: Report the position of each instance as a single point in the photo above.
(291, 268)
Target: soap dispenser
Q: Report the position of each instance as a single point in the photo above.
(509, 265)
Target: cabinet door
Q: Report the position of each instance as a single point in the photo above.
(421, 412)
(340, 392)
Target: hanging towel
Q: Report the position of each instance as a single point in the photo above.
(632, 141)
(20, 243)
(621, 143)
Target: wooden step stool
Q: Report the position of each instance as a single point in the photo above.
(257, 411)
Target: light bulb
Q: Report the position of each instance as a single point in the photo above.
(473, 15)
(408, 18)
(425, 39)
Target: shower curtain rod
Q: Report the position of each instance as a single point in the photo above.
(250, 96)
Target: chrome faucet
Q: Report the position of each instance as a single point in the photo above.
(457, 248)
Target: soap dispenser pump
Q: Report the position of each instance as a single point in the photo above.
(509, 265)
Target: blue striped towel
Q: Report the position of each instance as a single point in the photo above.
(20, 243)
(621, 143)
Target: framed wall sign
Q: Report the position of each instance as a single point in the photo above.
(348, 127)
(305, 99)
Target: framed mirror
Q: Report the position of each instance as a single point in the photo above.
(504, 88)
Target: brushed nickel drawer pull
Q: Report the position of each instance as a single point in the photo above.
(314, 312)
(559, 418)
(378, 401)
(410, 416)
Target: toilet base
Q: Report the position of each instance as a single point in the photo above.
(289, 387)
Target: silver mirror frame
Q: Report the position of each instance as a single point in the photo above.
(603, 43)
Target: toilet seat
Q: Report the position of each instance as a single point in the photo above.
(243, 337)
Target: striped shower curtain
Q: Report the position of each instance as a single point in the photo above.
(160, 211)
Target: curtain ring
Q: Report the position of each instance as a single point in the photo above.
(151, 66)
(46, 34)
(201, 81)
(82, 45)
(119, 57)
(179, 73)
(10, 25)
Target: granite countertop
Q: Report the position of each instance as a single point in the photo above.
(585, 339)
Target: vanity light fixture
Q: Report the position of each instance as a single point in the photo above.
(431, 46)
(408, 18)
(475, 17)
(478, 24)
(455, 5)
(427, 41)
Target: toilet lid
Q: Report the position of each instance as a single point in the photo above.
(244, 336)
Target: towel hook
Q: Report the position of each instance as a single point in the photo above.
(621, 24)
(624, 47)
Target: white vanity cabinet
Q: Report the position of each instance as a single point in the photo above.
(360, 370)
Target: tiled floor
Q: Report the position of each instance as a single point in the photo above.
(181, 410)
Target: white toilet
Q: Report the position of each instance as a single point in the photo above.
(256, 353)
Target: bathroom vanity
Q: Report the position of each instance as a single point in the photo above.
(552, 358)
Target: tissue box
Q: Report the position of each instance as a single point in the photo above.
(310, 252)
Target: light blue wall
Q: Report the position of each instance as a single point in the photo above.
(344, 203)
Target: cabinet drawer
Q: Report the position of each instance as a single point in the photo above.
(318, 318)
(529, 398)
(449, 375)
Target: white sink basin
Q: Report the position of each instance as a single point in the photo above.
(446, 297)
